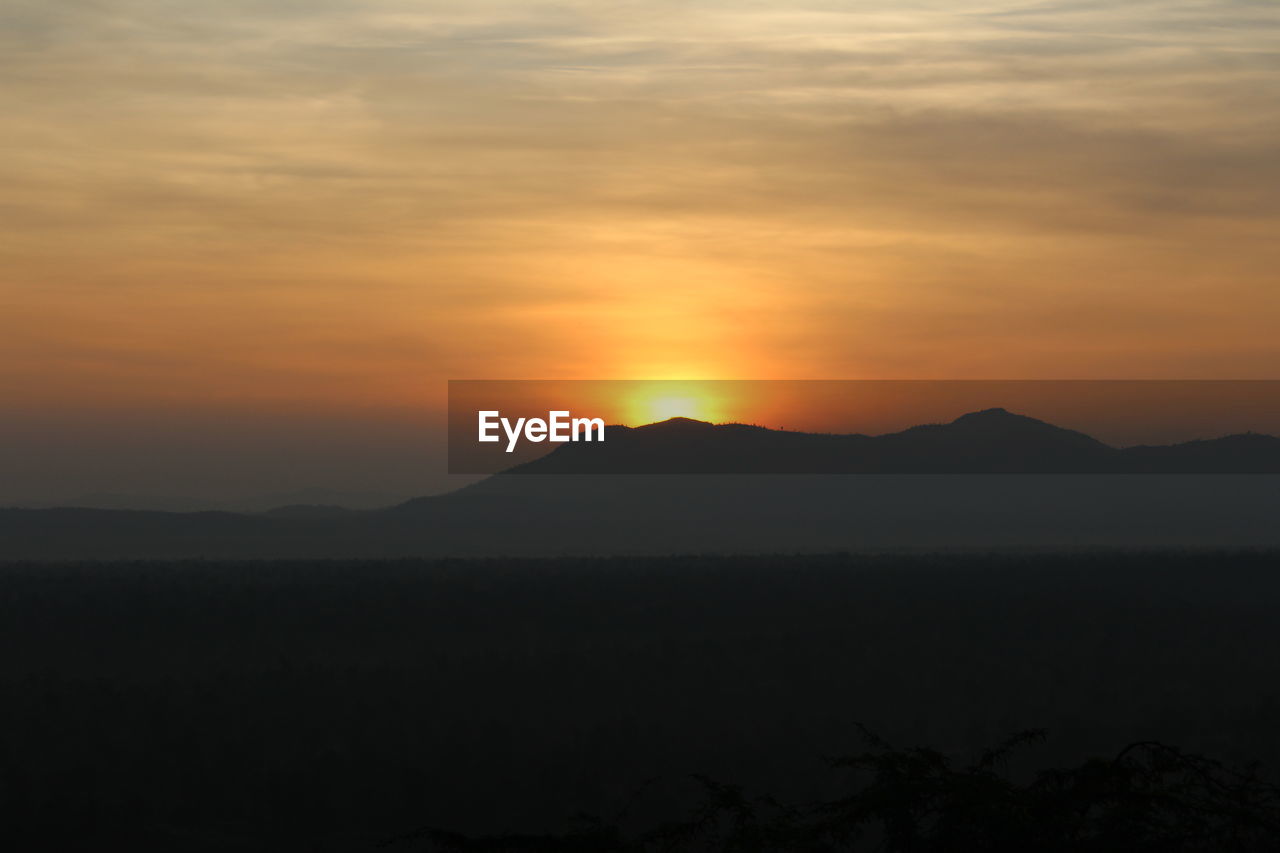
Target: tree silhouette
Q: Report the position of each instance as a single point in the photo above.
(1149, 797)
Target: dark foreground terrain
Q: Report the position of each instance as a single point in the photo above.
(338, 705)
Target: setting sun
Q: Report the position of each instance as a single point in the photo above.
(659, 401)
(662, 408)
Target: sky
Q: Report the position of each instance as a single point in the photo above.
(255, 239)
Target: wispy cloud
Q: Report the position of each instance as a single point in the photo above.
(759, 188)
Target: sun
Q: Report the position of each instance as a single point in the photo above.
(674, 406)
(660, 401)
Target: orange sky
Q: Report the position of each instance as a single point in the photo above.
(285, 209)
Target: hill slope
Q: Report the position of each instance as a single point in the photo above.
(667, 490)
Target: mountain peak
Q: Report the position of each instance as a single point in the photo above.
(1009, 426)
(678, 423)
(1004, 421)
(992, 414)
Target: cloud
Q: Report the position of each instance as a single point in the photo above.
(556, 176)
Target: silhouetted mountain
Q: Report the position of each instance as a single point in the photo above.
(308, 511)
(688, 486)
(316, 496)
(126, 501)
(1244, 452)
(993, 441)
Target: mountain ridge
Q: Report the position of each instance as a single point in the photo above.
(955, 497)
(991, 440)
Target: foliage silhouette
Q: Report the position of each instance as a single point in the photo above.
(1149, 797)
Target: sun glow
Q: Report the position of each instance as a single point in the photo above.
(671, 406)
(659, 401)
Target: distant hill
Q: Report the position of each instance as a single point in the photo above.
(667, 488)
(122, 500)
(993, 441)
(311, 497)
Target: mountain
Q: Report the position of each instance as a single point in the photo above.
(993, 441)
(120, 500)
(684, 486)
(296, 501)
(308, 511)
(1245, 452)
(318, 496)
